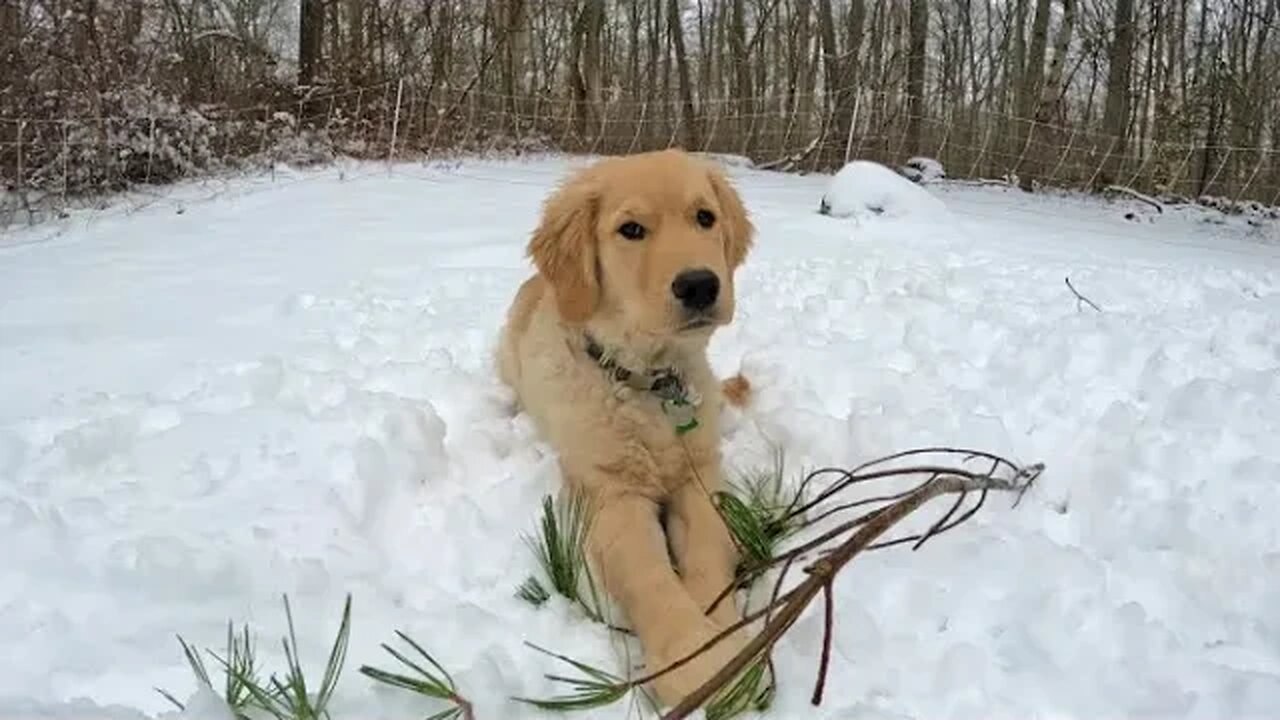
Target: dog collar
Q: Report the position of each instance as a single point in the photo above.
(679, 401)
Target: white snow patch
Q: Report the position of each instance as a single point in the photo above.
(205, 704)
(289, 388)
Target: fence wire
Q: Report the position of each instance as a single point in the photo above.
(49, 162)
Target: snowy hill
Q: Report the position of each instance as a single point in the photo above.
(264, 387)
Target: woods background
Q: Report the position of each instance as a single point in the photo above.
(1164, 96)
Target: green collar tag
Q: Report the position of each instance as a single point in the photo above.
(681, 413)
(679, 401)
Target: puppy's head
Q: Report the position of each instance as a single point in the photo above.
(649, 242)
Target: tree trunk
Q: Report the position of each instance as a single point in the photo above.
(310, 40)
(1120, 60)
(688, 117)
(633, 54)
(1051, 89)
(839, 77)
(516, 53)
(356, 62)
(577, 83)
(1018, 55)
(742, 88)
(1028, 91)
(593, 57)
(918, 33)
(11, 35)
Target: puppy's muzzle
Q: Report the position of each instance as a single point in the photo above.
(696, 290)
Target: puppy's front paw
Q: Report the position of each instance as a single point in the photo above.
(673, 686)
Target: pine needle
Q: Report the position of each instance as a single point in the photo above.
(437, 684)
(533, 592)
(753, 690)
(289, 699)
(197, 669)
(238, 663)
(597, 689)
(560, 548)
(755, 508)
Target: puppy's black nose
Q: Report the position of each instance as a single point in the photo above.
(696, 289)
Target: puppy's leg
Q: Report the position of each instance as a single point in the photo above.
(704, 552)
(631, 558)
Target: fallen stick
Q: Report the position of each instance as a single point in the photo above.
(821, 575)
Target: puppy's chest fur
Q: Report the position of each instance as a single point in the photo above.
(623, 433)
(658, 456)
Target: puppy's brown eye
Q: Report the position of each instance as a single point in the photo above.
(706, 218)
(631, 230)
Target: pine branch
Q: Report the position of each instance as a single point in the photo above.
(560, 548)
(289, 699)
(437, 683)
(286, 699)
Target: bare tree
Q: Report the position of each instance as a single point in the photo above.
(688, 119)
(919, 35)
(310, 40)
(1120, 62)
(1174, 94)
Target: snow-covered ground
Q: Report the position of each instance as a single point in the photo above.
(284, 385)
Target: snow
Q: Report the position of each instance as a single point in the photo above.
(863, 189)
(283, 385)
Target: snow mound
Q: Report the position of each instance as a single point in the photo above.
(922, 169)
(864, 189)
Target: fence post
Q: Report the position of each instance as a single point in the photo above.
(644, 111)
(66, 160)
(151, 149)
(853, 122)
(21, 125)
(1053, 175)
(1218, 172)
(1275, 201)
(1181, 172)
(1252, 176)
(1098, 170)
(395, 122)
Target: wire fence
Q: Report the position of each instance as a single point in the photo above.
(48, 163)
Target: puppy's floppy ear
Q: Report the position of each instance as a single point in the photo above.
(563, 248)
(739, 232)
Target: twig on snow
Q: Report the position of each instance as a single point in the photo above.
(1122, 190)
(1081, 300)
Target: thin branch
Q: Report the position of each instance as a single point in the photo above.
(828, 625)
(1081, 300)
(823, 572)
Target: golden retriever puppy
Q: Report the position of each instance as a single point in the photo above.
(606, 350)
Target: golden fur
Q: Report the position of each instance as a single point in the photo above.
(614, 441)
